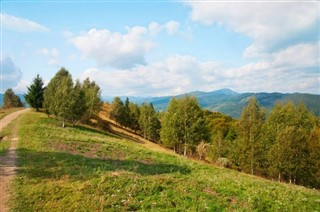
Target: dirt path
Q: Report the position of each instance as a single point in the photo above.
(8, 161)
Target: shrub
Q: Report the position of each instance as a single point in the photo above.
(224, 162)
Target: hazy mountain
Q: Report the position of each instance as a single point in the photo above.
(231, 103)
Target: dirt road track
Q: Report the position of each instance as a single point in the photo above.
(8, 161)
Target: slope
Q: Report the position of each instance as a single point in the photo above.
(83, 169)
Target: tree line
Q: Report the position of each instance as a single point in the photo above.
(142, 119)
(283, 144)
(65, 99)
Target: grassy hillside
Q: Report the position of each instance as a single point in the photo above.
(83, 169)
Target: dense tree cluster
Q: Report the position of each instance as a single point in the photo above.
(183, 125)
(283, 145)
(69, 101)
(10, 99)
(141, 119)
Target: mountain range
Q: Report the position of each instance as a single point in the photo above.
(226, 101)
(230, 102)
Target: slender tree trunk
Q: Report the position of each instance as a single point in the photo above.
(63, 124)
(290, 181)
(185, 148)
(279, 177)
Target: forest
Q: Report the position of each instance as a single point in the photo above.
(283, 144)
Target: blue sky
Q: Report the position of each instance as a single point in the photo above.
(144, 48)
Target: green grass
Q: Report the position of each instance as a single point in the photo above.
(5, 136)
(4, 145)
(83, 169)
(7, 131)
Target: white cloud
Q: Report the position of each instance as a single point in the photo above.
(269, 24)
(175, 75)
(21, 87)
(10, 74)
(172, 27)
(20, 24)
(294, 69)
(121, 50)
(115, 49)
(53, 55)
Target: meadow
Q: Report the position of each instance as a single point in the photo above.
(80, 168)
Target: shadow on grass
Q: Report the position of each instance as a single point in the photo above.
(57, 164)
(91, 130)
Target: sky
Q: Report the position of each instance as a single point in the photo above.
(157, 48)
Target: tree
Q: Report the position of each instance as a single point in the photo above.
(149, 122)
(92, 95)
(221, 134)
(127, 117)
(117, 111)
(10, 99)
(34, 97)
(249, 147)
(79, 106)
(134, 116)
(314, 158)
(171, 126)
(60, 99)
(183, 124)
(287, 129)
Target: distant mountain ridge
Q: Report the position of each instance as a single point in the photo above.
(226, 101)
(230, 102)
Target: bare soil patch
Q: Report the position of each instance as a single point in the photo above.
(8, 162)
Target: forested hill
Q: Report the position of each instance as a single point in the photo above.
(20, 96)
(231, 103)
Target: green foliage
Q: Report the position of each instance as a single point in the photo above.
(134, 114)
(79, 106)
(83, 169)
(10, 99)
(34, 97)
(183, 125)
(223, 134)
(59, 96)
(71, 102)
(287, 131)
(93, 103)
(314, 158)
(118, 111)
(149, 122)
(250, 150)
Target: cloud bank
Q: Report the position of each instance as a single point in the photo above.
(20, 24)
(118, 50)
(269, 24)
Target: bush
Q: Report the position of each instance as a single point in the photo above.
(224, 162)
